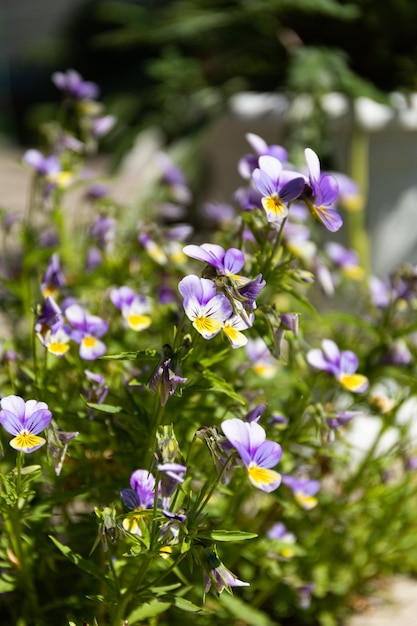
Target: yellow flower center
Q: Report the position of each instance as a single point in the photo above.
(26, 441)
(260, 476)
(274, 206)
(58, 348)
(138, 322)
(206, 325)
(353, 382)
(89, 341)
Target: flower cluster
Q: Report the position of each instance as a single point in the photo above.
(182, 444)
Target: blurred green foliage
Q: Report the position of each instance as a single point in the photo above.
(174, 64)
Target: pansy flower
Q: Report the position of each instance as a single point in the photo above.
(304, 490)
(57, 342)
(285, 539)
(140, 496)
(73, 84)
(278, 187)
(249, 162)
(342, 364)
(135, 308)
(45, 166)
(24, 420)
(324, 192)
(226, 262)
(49, 168)
(263, 362)
(86, 331)
(53, 279)
(232, 328)
(207, 309)
(48, 320)
(258, 455)
(345, 259)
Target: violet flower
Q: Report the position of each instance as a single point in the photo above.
(45, 166)
(342, 364)
(135, 308)
(304, 490)
(345, 259)
(250, 162)
(72, 84)
(278, 187)
(140, 496)
(86, 331)
(53, 279)
(207, 309)
(324, 191)
(257, 454)
(24, 420)
(226, 262)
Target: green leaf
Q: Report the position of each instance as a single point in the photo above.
(79, 561)
(186, 605)
(218, 384)
(104, 408)
(147, 610)
(131, 356)
(245, 612)
(228, 535)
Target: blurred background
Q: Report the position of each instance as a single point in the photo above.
(339, 76)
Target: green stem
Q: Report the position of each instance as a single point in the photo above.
(268, 264)
(359, 170)
(155, 423)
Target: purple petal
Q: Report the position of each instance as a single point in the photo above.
(234, 260)
(122, 296)
(329, 189)
(130, 499)
(348, 362)
(316, 359)
(14, 404)
(292, 190)
(263, 183)
(245, 437)
(10, 422)
(144, 484)
(329, 217)
(209, 253)
(34, 158)
(203, 289)
(38, 421)
(268, 454)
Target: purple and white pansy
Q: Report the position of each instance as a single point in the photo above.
(86, 330)
(258, 454)
(324, 193)
(341, 363)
